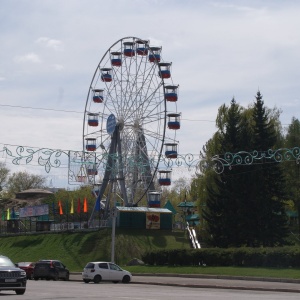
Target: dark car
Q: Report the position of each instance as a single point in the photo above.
(50, 269)
(27, 267)
(12, 277)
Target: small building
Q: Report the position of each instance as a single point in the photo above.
(144, 218)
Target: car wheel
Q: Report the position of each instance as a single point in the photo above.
(20, 292)
(67, 277)
(86, 280)
(97, 279)
(126, 279)
(55, 278)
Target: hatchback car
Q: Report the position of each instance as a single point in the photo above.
(50, 269)
(106, 271)
(12, 277)
(27, 267)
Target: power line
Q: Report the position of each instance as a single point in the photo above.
(40, 108)
(80, 112)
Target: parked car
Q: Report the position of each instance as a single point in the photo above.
(106, 271)
(50, 269)
(12, 277)
(27, 267)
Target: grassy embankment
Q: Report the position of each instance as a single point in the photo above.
(76, 249)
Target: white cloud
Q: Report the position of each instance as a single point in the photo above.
(30, 57)
(50, 43)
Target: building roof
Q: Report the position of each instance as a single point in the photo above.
(33, 193)
(194, 217)
(143, 209)
(187, 204)
(169, 206)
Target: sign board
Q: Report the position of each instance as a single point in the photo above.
(34, 211)
(111, 124)
(152, 220)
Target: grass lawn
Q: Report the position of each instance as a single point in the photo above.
(232, 271)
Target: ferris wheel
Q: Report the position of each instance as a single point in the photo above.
(130, 122)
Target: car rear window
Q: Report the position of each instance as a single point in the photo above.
(90, 266)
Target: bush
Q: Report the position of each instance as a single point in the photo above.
(277, 257)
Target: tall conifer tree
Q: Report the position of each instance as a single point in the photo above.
(244, 204)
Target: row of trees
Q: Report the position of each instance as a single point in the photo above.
(245, 205)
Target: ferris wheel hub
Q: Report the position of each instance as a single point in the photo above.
(121, 123)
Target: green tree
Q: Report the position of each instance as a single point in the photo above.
(23, 180)
(292, 168)
(4, 172)
(269, 182)
(245, 203)
(223, 198)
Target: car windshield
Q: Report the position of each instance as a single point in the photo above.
(6, 262)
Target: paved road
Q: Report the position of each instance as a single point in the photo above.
(216, 282)
(74, 290)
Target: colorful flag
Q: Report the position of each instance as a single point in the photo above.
(78, 206)
(3, 215)
(60, 208)
(97, 208)
(85, 206)
(8, 215)
(72, 207)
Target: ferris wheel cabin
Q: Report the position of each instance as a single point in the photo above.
(90, 144)
(171, 93)
(93, 119)
(154, 55)
(141, 48)
(106, 74)
(164, 71)
(128, 49)
(173, 121)
(154, 199)
(115, 58)
(98, 96)
(92, 171)
(171, 150)
(164, 177)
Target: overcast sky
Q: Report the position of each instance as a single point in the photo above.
(218, 49)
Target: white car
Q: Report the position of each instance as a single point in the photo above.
(106, 271)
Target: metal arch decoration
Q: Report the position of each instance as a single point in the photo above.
(218, 163)
(51, 158)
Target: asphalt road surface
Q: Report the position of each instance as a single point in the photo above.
(62, 290)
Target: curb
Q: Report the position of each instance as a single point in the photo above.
(227, 277)
(233, 286)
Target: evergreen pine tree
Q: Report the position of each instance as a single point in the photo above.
(222, 199)
(268, 185)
